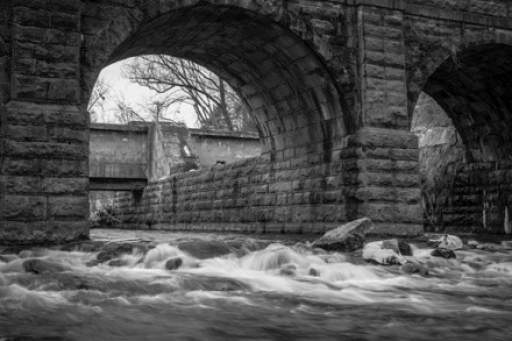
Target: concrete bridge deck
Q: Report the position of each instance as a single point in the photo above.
(124, 157)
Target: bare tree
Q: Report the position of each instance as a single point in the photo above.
(96, 104)
(155, 110)
(125, 113)
(215, 103)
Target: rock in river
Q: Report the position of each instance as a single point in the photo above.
(347, 237)
(173, 263)
(39, 266)
(115, 250)
(203, 249)
(443, 253)
(446, 241)
(384, 252)
(414, 268)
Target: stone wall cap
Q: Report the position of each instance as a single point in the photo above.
(224, 133)
(118, 127)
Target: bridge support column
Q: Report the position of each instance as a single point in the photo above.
(387, 187)
(44, 140)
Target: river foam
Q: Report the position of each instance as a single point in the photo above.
(272, 288)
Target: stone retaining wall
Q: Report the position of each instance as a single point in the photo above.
(300, 195)
(482, 193)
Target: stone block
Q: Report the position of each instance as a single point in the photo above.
(20, 233)
(392, 212)
(31, 133)
(24, 167)
(45, 150)
(383, 138)
(65, 185)
(65, 22)
(20, 184)
(66, 207)
(64, 168)
(23, 207)
(25, 16)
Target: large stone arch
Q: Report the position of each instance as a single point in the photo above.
(285, 83)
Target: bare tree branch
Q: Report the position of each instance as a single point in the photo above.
(215, 103)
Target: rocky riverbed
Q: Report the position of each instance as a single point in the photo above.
(133, 285)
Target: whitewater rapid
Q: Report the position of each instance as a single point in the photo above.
(257, 288)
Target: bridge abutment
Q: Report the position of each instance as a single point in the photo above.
(44, 173)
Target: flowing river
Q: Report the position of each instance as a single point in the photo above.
(229, 287)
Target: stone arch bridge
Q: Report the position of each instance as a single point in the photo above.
(332, 85)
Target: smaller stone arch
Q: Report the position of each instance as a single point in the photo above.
(474, 87)
(426, 55)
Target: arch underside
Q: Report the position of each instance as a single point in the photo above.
(283, 82)
(475, 89)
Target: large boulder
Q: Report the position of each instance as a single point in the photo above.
(399, 246)
(204, 249)
(84, 246)
(347, 237)
(173, 263)
(39, 266)
(288, 270)
(117, 263)
(443, 253)
(414, 268)
(385, 252)
(446, 241)
(115, 250)
(7, 258)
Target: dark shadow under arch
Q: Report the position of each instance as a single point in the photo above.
(474, 87)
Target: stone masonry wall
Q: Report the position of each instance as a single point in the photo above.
(302, 195)
(481, 196)
(44, 143)
(252, 195)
